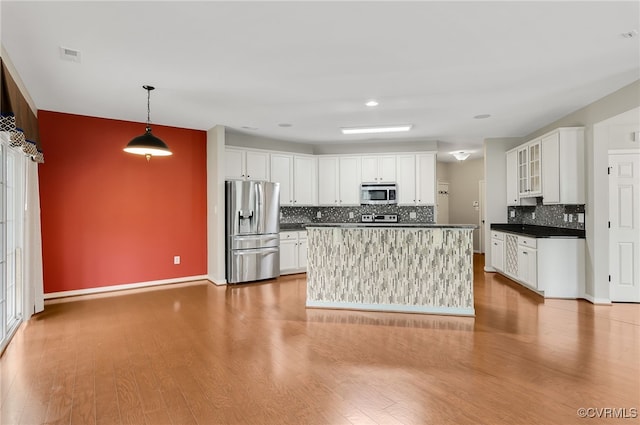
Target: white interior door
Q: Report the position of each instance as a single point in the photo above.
(624, 232)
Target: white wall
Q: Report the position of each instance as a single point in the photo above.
(235, 138)
(215, 205)
(495, 171)
(442, 171)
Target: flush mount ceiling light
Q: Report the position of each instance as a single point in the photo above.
(482, 116)
(460, 155)
(372, 102)
(372, 130)
(148, 144)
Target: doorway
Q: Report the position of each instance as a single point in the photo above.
(442, 203)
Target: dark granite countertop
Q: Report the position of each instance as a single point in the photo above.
(538, 231)
(286, 227)
(395, 225)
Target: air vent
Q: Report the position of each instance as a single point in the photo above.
(70, 54)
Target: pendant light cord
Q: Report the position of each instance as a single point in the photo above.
(148, 108)
(148, 89)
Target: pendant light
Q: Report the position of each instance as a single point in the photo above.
(148, 144)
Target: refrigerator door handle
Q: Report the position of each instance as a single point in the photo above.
(256, 237)
(255, 251)
(259, 207)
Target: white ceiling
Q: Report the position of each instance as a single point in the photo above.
(314, 64)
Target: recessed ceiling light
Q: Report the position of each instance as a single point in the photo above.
(371, 130)
(629, 34)
(372, 102)
(285, 124)
(482, 116)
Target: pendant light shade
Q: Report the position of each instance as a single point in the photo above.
(148, 144)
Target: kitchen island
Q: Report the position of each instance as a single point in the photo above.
(411, 268)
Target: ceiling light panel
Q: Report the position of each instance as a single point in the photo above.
(379, 129)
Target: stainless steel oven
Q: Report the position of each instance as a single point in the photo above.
(378, 193)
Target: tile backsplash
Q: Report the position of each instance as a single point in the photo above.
(547, 215)
(424, 214)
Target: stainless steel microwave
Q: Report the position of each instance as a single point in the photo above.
(378, 193)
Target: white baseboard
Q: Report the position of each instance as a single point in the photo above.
(594, 300)
(217, 281)
(489, 269)
(395, 308)
(101, 289)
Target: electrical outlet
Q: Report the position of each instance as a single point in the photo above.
(176, 259)
(570, 218)
(533, 215)
(350, 215)
(412, 214)
(566, 217)
(580, 217)
(512, 213)
(318, 214)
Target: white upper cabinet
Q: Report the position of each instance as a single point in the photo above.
(426, 178)
(242, 164)
(282, 172)
(296, 175)
(328, 181)
(529, 169)
(406, 179)
(551, 166)
(512, 178)
(563, 166)
(349, 180)
(339, 180)
(304, 180)
(379, 169)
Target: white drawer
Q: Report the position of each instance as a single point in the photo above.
(525, 241)
(302, 235)
(288, 235)
(497, 235)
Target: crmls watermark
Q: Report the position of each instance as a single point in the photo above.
(608, 412)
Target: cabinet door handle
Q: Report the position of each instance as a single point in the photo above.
(248, 176)
(525, 253)
(495, 244)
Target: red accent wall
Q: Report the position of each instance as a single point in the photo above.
(111, 218)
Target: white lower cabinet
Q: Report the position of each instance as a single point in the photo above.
(527, 261)
(293, 252)
(553, 267)
(497, 250)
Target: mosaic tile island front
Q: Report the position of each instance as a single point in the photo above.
(413, 268)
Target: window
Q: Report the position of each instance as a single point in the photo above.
(12, 191)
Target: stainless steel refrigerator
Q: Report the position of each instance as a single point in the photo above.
(252, 228)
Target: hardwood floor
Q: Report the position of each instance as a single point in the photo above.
(252, 354)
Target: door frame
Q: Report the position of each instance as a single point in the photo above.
(481, 218)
